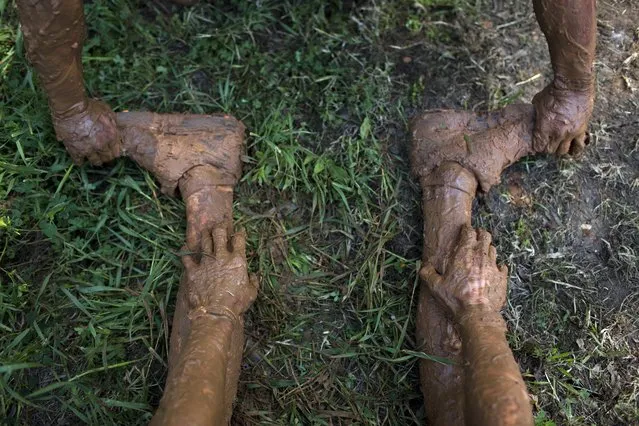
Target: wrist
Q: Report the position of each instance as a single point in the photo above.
(480, 316)
(67, 110)
(585, 84)
(218, 312)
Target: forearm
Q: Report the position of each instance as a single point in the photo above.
(195, 389)
(570, 28)
(495, 391)
(54, 31)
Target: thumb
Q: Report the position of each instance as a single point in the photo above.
(429, 274)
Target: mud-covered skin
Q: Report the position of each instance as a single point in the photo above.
(202, 381)
(169, 145)
(219, 283)
(208, 206)
(483, 143)
(190, 397)
(448, 193)
(495, 390)
(452, 149)
(208, 203)
(90, 135)
(473, 290)
(202, 156)
(562, 117)
(564, 107)
(472, 276)
(54, 32)
(452, 154)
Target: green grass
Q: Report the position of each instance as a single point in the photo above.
(88, 264)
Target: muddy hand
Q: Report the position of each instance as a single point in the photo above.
(220, 284)
(472, 277)
(90, 135)
(561, 119)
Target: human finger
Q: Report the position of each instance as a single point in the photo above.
(492, 252)
(503, 270)
(78, 160)
(105, 155)
(187, 260)
(115, 149)
(94, 159)
(484, 238)
(578, 145)
(220, 241)
(207, 243)
(254, 281)
(540, 133)
(540, 141)
(238, 242)
(467, 236)
(564, 147)
(193, 235)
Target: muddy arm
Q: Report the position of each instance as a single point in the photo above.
(472, 291)
(191, 397)
(570, 28)
(203, 375)
(495, 390)
(564, 107)
(454, 154)
(54, 32)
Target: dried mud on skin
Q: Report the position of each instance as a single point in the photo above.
(452, 153)
(169, 145)
(200, 154)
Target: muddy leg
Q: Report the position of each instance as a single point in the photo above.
(448, 194)
(200, 155)
(170, 145)
(54, 33)
(207, 206)
(483, 143)
(472, 292)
